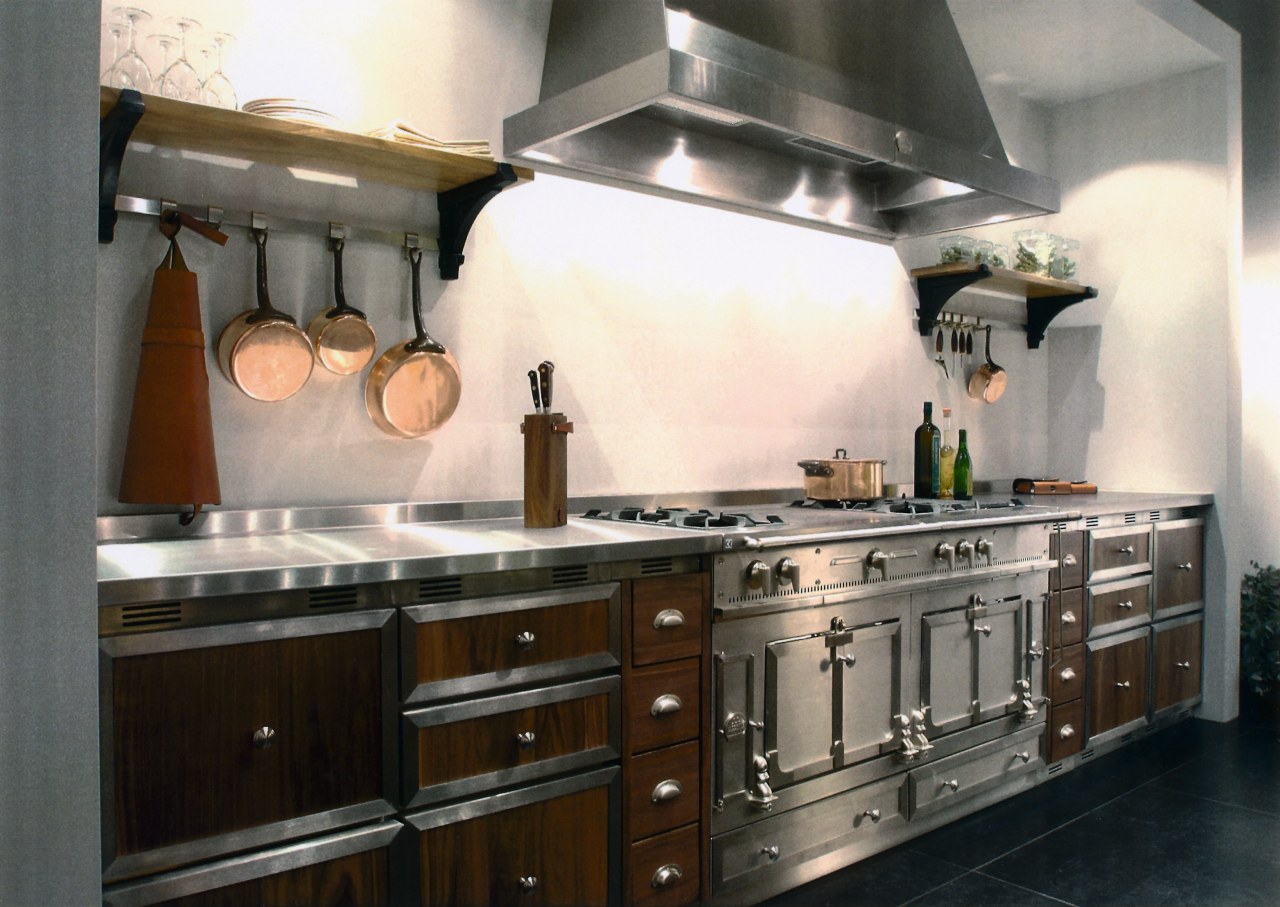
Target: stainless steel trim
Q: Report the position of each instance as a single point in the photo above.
(245, 867)
(504, 800)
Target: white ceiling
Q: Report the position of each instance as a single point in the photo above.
(1056, 51)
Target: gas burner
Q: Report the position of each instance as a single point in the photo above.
(912, 506)
(684, 518)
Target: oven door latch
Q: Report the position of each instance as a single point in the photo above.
(913, 742)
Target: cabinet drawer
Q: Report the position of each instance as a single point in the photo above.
(1070, 572)
(1118, 552)
(456, 648)
(1179, 566)
(458, 749)
(1117, 682)
(662, 705)
(1067, 618)
(969, 773)
(665, 870)
(1066, 678)
(1066, 730)
(347, 869)
(663, 789)
(666, 618)
(1176, 661)
(544, 845)
(1115, 606)
(229, 737)
(845, 826)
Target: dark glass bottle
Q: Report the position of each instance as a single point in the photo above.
(928, 444)
(964, 469)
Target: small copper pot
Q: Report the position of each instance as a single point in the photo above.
(344, 340)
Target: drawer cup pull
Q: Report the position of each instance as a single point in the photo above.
(772, 852)
(526, 739)
(668, 617)
(667, 875)
(953, 784)
(264, 737)
(525, 640)
(666, 790)
(1068, 617)
(1186, 566)
(528, 884)
(1185, 665)
(1124, 685)
(666, 704)
(1067, 732)
(1127, 549)
(1067, 675)
(872, 814)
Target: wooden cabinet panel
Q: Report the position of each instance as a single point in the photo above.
(1177, 662)
(1066, 730)
(552, 852)
(1066, 625)
(488, 643)
(665, 869)
(358, 880)
(1116, 605)
(1117, 552)
(663, 790)
(1179, 564)
(490, 743)
(189, 733)
(1117, 684)
(662, 705)
(666, 618)
(1066, 678)
(1070, 572)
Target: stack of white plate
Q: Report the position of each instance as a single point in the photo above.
(290, 109)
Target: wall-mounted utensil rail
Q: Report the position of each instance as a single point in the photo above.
(463, 184)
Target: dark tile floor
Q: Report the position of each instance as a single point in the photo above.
(1189, 815)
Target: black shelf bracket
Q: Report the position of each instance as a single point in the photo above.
(935, 292)
(114, 133)
(1043, 309)
(458, 211)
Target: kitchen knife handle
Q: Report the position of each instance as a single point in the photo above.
(544, 383)
(533, 387)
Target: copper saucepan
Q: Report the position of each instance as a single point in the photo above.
(842, 479)
(344, 340)
(414, 387)
(988, 381)
(262, 351)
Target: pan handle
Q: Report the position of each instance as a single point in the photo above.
(815, 469)
(423, 342)
(265, 311)
(339, 295)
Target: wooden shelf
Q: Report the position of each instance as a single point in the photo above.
(1044, 297)
(464, 183)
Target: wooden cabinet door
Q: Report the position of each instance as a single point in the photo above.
(1117, 683)
(1177, 661)
(549, 852)
(1179, 564)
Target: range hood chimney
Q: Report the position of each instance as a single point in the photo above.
(856, 116)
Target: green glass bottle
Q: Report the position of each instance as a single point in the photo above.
(928, 443)
(963, 469)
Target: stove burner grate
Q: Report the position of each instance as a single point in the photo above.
(684, 518)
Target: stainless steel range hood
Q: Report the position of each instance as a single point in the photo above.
(857, 116)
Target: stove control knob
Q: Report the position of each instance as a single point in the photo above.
(757, 573)
(946, 552)
(964, 549)
(789, 572)
(984, 549)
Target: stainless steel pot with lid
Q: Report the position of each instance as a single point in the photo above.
(842, 479)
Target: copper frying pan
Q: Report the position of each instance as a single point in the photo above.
(414, 387)
(344, 340)
(262, 351)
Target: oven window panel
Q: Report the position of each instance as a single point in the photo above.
(871, 690)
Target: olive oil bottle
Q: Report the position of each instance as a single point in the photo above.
(928, 446)
(963, 470)
(946, 459)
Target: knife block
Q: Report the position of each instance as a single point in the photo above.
(546, 470)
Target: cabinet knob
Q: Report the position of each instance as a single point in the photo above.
(528, 884)
(525, 640)
(666, 790)
(264, 737)
(1187, 566)
(847, 660)
(984, 629)
(1066, 732)
(666, 704)
(1066, 675)
(772, 851)
(1127, 549)
(668, 617)
(953, 784)
(1124, 685)
(1025, 756)
(667, 875)
(1069, 560)
(1185, 665)
(525, 739)
(1125, 606)
(872, 814)
(1068, 617)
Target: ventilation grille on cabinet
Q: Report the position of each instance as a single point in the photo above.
(1130, 519)
(1086, 754)
(1055, 768)
(151, 615)
(1154, 516)
(333, 597)
(440, 588)
(654, 566)
(561, 576)
(1091, 522)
